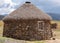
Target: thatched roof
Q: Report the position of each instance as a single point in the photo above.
(28, 11)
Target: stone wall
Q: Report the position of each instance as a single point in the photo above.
(25, 30)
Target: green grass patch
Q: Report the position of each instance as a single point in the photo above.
(56, 30)
(2, 39)
(35, 41)
(39, 42)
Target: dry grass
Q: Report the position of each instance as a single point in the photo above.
(56, 32)
(1, 28)
(58, 23)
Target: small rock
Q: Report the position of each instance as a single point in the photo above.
(53, 38)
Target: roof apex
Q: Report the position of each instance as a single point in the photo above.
(28, 11)
(27, 2)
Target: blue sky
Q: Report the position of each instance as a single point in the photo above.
(48, 6)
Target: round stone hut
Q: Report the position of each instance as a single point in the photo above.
(27, 23)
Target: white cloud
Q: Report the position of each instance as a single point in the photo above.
(43, 4)
(56, 2)
(1, 2)
(6, 9)
(9, 1)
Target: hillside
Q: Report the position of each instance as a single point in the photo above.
(54, 16)
(2, 16)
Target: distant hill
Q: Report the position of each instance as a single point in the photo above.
(2, 16)
(54, 16)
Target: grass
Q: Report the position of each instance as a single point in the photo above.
(2, 39)
(58, 23)
(36, 42)
(6, 40)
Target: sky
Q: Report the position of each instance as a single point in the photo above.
(48, 6)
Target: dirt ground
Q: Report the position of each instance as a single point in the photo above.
(56, 35)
